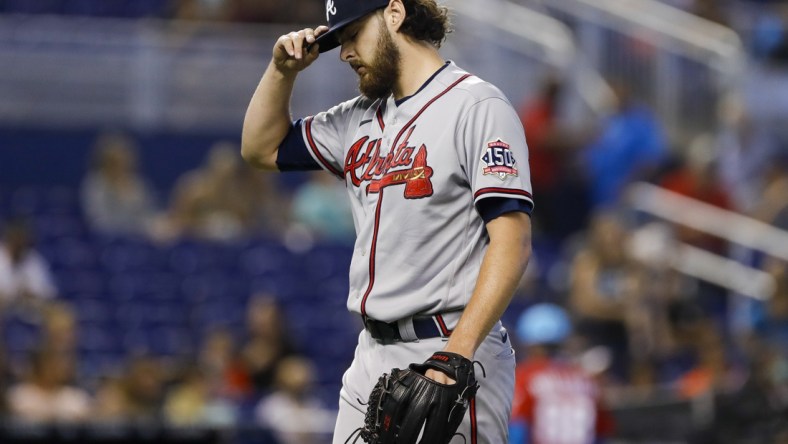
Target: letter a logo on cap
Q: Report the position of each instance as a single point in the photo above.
(330, 9)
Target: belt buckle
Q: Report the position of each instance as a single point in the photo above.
(371, 327)
(381, 331)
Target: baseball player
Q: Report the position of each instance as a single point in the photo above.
(436, 168)
(556, 401)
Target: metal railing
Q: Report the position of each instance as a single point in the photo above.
(733, 227)
(143, 74)
(191, 76)
(532, 38)
(677, 62)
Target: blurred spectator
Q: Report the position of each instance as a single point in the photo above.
(555, 400)
(60, 328)
(713, 10)
(710, 374)
(5, 380)
(111, 403)
(772, 323)
(270, 210)
(744, 151)
(291, 11)
(25, 278)
(192, 402)
(201, 10)
(756, 410)
(256, 11)
(48, 395)
(563, 205)
(115, 197)
(214, 202)
(696, 178)
(666, 322)
(292, 411)
(322, 205)
(144, 388)
(221, 365)
(607, 285)
(685, 321)
(778, 50)
(769, 30)
(268, 342)
(772, 206)
(250, 11)
(630, 147)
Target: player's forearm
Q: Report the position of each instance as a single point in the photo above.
(501, 271)
(267, 118)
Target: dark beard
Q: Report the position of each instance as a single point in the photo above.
(382, 74)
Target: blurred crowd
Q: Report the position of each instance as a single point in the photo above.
(660, 331)
(634, 327)
(259, 377)
(642, 330)
(222, 200)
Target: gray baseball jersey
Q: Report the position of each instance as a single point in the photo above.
(415, 173)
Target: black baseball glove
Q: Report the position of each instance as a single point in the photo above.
(405, 402)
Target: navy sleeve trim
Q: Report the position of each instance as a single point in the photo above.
(493, 207)
(293, 153)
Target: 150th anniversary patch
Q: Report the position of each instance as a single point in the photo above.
(499, 159)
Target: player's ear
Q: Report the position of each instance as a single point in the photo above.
(394, 15)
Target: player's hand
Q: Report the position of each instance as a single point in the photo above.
(290, 53)
(439, 377)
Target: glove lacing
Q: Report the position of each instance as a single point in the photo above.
(369, 432)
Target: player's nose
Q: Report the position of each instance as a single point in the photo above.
(346, 52)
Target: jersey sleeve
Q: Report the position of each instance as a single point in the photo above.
(496, 157)
(325, 134)
(293, 154)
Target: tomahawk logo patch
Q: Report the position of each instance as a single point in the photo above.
(330, 10)
(499, 159)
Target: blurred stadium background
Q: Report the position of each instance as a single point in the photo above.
(155, 289)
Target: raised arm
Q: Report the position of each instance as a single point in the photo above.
(268, 118)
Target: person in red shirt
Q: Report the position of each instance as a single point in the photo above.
(555, 400)
(556, 178)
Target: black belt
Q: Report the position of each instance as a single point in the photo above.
(388, 332)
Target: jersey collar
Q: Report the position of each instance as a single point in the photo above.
(399, 102)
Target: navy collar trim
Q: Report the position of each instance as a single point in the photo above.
(405, 99)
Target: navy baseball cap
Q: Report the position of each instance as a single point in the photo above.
(340, 13)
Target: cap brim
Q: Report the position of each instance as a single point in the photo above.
(329, 40)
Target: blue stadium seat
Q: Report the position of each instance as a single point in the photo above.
(264, 259)
(51, 227)
(20, 336)
(170, 341)
(93, 310)
(72, 254)
(74, 283)
(130, 254)
(62, 200)
(98, 337)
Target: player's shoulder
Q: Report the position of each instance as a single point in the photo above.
(358, 104)
(472, 88)
(350, 112)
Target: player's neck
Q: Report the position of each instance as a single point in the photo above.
(418, 63)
